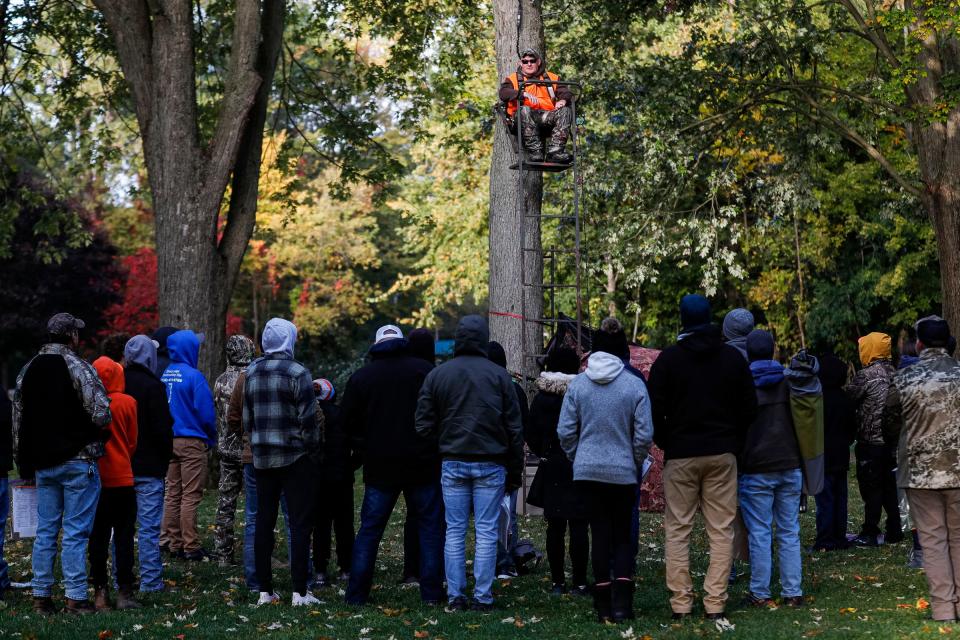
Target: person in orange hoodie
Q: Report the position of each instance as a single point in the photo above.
(117, 509)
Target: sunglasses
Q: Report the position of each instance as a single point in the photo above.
(529, 61)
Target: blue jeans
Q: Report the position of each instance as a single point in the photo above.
(67, 494)
(149, 515)
(4, 509)
(479, 485)
(250, 525)
(378, 503)
(767, 499)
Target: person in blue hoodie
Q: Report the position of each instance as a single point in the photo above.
(194, 431)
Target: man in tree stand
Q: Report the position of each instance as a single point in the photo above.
(545, 109)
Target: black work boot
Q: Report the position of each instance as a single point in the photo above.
(622, 600)
(534, 151)
(558, 155)
(602, 603)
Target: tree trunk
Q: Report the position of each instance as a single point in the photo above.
(506, 289)
(197, 269)
(943, 205)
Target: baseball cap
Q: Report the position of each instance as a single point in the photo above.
(388, 332)
(63, 324)
(323, 388)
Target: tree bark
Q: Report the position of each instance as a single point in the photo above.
(506, 289)
(155, 48)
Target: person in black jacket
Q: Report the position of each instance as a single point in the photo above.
(379, 406)
(468, 409)
(6, 464)
(563, 502)
(703, 400)
(163, 354)
(335, 500)
(770, 480)
(839, 431)
(421, 345)
(154, 450)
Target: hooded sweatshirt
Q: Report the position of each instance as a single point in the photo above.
(154, 422)
(468, 405)
(279, 407)
(870, 387)
(115, 465)
(702, 396)
(605, 426)
(737, 325)
(191, 403)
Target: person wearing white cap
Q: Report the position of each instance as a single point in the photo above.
(379, 409)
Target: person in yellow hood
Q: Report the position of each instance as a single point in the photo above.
(875, 449)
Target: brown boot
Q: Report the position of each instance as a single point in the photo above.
(43, 606)
(101, 599)
(125, 599)
(79, 607)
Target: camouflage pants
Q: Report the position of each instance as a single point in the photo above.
(537, 124)
(231, 482)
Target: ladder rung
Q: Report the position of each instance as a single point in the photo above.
(550, 286)
(548, 251)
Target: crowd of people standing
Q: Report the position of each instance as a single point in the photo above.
(119, 451)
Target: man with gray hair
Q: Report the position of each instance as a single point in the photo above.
(60, 411)
(280, 414)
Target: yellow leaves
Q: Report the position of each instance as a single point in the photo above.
(392, 613)
(846, 610)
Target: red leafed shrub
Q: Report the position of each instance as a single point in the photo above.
(137, 313)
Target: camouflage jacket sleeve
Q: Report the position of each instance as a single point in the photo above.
(90, 390)
(892, 416)
(18, 409)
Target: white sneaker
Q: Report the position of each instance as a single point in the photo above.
(268, 598)
(305, 600)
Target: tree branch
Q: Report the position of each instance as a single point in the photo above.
(241, 215)
(875, 36)
(240, 93)
(854, 136)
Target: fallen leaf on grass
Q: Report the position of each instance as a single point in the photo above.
(392, 613)
(848, 610)
(922, 604)
(421, 634)
(473, 626)
(904, 606)
(945, 630)
(723, 624)
(103, 635)
(628, 634)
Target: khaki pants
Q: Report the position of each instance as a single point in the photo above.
(710, 483)
(185, 479)
(936, 514)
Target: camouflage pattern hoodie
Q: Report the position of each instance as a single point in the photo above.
(240, 352)
(926, 399)
(870, 387)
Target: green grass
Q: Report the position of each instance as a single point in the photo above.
(859, 593)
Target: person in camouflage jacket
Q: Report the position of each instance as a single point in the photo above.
(925, 402)
(875, 450)
(240, 352)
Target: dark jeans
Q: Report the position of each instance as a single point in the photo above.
(334, 510)
(611, 506)
(378, 503)
(297, 483)
(411, 544)
(117, 514)
(579, 545)
(832, 512)
(878, 488)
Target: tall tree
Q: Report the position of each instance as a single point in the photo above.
(506, 212)
(188, 176)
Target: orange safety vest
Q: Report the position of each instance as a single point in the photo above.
(545, 93)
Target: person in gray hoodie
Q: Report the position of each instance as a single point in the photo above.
(606, 429)
(737, 325)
